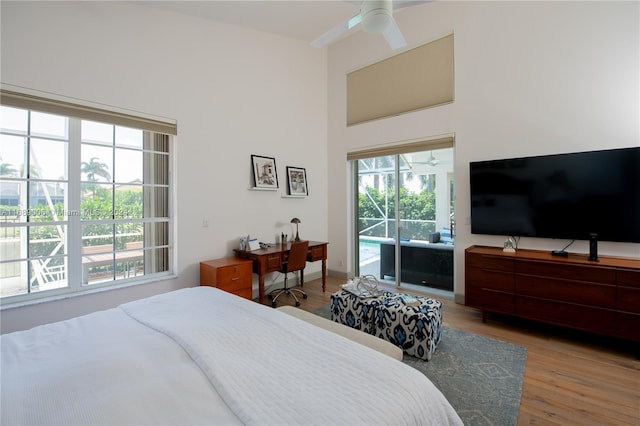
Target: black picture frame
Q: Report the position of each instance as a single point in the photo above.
(297, 181)
(264, 170)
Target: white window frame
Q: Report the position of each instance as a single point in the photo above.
(31, 100)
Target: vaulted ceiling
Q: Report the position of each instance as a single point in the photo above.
(299, 19)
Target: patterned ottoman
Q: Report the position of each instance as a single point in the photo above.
(412, 323)
(354, 311)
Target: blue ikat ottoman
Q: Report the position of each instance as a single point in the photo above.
(355, 312)
(412, 323)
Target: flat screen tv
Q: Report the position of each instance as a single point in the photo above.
(564, 196)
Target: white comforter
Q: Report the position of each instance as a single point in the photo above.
(203, 356)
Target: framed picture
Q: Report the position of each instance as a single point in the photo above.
(297, 180)
(264, 172)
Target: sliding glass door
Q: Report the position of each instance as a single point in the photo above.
(376, 211)
(404, 207)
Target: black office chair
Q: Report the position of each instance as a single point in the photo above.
(296, 261)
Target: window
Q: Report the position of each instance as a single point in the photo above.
(84, 201)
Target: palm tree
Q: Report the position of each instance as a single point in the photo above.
(7, 169)
(94, 169)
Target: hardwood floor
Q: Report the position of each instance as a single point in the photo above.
(571, 378)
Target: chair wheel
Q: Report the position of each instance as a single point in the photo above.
(297, 303)
(304, 296)
(273, 304)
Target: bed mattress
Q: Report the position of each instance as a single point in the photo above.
(203, 356)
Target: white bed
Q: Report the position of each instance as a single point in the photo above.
(203, 356)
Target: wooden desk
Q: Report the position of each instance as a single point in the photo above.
(270, 260)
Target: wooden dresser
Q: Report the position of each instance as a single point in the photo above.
(600, 297)
(230, 274)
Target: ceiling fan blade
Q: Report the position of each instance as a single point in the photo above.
(393, 35)
(400, 4)
(337, 31)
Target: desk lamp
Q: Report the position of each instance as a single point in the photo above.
(296, 221)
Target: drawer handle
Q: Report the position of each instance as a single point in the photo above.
(235, 279)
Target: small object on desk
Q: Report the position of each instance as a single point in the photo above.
(296, 221)
(253, 244)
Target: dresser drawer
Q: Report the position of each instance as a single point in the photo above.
(230, 274)
(570, 291)
(488, 279)
(582, 317)
(567, 271)
(629, 299)
(490, 300)
(629, 326)
(240, 286)
(493, 263)
(628, 278)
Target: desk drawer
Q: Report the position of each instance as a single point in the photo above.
(274, 262)
(316, 253)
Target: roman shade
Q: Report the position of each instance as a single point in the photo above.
(416, 79)
(59, 105)
(402, 148)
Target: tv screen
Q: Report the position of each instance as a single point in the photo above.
(564, 196)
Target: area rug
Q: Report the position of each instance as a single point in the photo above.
(481, 377)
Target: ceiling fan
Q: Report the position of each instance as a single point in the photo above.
(376, 17)
(431, 161)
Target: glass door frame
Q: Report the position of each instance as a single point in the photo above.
(397, 173)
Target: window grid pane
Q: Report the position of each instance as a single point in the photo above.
(122, 216)
(48, 273)
(13, 279)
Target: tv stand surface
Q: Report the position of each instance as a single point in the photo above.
(600, 297)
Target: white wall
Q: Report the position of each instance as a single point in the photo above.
(531, 78)
(234, 92)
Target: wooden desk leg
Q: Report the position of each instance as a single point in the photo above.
(324, 274)
(261, 288)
